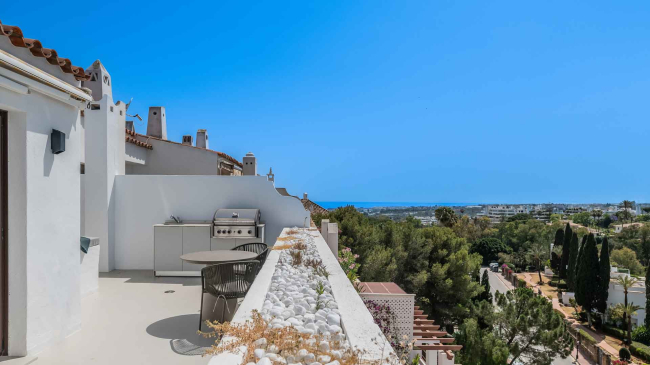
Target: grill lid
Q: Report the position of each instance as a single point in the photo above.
(237, 217)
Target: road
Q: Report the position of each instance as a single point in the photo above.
(497, 284)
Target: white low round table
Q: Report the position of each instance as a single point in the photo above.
(217, 257)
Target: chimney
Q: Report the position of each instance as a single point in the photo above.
(130, 126)
(304, 196)
(187, 140)
(250, 164)
(157, 122)
(202, 139)
(100, 81)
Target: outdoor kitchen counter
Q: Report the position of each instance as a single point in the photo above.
(172, 240)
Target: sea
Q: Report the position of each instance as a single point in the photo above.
(334, 205)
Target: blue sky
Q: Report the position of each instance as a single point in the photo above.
(420, 101)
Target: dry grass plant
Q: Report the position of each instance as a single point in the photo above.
(286, 342)
(287, 238)
(296, 257)
(281, 247)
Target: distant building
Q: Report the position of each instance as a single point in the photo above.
(500, 213)
(154, 154)
(635, 295)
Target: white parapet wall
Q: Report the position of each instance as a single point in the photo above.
(359, 327)
(144, 200)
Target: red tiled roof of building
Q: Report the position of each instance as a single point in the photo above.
(381, 288)
(16, 38)
(221, 154)
(129, 138)
(312, 207)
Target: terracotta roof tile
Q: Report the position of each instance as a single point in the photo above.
(312, 207)
(138, 143)
(16, 38)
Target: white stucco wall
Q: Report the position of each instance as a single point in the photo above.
(104, 153)
(168, 158)
(635, 295)
(44, 220)
(144, 200)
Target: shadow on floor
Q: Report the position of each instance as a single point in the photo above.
(182, 333)
(147, 277)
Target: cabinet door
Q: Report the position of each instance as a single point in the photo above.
(168, 248)
(195, 239)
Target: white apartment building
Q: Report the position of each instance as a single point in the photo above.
(499, 213)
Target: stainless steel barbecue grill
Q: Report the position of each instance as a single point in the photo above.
(237, 223)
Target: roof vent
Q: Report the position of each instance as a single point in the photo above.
(202, 139)
(130, 126)
(187, 140)
(157, 122)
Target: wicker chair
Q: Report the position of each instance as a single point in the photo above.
(222, 281)
(259, 248)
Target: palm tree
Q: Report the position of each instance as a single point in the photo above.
(627, 205)
(537, 254)
(626, 282)
(626, 311)
(596, 213)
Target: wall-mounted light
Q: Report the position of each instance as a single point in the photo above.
(57, 141)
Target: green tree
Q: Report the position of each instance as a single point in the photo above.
(520, 217)
(532, 330)
(605, 269)
(626, 258)
(566, 250)
(480, 346)
(538, 253)
(489, 248)
(485, 283)
(647, 297)
(449, 286)
(588, 278)
(555, 218)
(583, 218)
(573, 257)
(578, 262)
(627, 205)
(446, 216)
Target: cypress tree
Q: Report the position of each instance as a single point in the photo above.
(559, 241)
(485, 282)
(588, 277)
(647, 296)
(566, 250)
(578, 262)
(604, 276)
(573, 257)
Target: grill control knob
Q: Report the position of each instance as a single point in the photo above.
(239, 231)
(219, 231)
(249, 231)
(229, 231)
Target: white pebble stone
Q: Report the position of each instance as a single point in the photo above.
(334, 329)
(309, 358)
(273, 357)
(264, 361)
(259, 353)
(260, 343)
(334, 319)
(302, 353)
(324, 358)
(333, 363)
(272, 349)
(324, 346)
